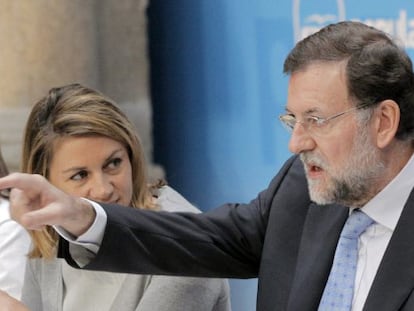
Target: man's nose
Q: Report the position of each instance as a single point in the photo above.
(300, 139)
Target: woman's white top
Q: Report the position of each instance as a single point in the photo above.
(14, 246)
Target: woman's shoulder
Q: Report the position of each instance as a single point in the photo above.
(172, 201)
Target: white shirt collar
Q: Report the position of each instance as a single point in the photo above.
(386, 207)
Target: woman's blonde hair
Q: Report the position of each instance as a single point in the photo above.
(76, 110)
(3, 166)
(4, 193)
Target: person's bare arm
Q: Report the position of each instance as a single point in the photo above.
(8, 303)
(34, 203)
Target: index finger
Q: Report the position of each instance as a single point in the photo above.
(31, 184)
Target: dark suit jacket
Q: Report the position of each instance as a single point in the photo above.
(280, 237)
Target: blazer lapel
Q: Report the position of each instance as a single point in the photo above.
(320, 235)
(51, 284)
(395, 277)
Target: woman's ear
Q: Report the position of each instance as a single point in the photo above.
(387, 119)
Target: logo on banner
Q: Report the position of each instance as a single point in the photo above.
(308, 17)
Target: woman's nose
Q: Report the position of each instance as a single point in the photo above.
(101, 189)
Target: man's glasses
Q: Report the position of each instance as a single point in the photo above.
(313, 124)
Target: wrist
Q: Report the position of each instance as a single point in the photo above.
(82, 218)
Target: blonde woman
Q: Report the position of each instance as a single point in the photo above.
(82, 143)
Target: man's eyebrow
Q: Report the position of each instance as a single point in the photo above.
(312, 111)
(307, 112)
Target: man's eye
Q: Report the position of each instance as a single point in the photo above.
(314, 121)
(290, 120)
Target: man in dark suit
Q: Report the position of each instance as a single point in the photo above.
(350, 108)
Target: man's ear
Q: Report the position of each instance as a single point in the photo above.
(387, 119)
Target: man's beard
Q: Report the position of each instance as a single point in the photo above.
(354, 183)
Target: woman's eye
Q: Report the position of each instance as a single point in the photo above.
(114, 163)
(80, 175)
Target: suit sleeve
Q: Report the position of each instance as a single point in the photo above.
(224, 242)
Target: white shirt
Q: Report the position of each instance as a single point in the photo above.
(14, 246)
(385, 209)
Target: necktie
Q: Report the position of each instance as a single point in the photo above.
(339, 289)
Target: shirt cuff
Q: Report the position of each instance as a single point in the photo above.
(92, 238)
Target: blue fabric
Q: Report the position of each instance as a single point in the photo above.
(339, 289)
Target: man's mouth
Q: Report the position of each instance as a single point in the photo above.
(314, 165)
(315, 168)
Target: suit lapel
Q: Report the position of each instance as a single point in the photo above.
(321, 233)
(395, 277)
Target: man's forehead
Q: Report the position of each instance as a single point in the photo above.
(320, 87)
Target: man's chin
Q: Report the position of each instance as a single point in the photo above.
(319, 200)
(319, 196)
